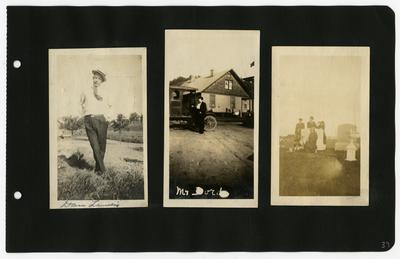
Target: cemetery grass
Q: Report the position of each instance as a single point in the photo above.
(325, 173)
(123, 179)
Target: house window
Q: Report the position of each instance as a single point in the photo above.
(233, 102)
(212, 100)
(228, 84)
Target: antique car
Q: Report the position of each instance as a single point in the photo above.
(182, 100)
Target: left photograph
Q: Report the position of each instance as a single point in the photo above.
(97, 128)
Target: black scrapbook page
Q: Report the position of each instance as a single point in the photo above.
(138, 129)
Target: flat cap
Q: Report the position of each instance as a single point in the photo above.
(99, 73)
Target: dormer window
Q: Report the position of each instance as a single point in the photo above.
(228, 84)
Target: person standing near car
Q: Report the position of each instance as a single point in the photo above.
(201, 109)
(96, 109)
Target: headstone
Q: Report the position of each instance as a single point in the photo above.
(345, 131)
(351, 151)
(344, 136)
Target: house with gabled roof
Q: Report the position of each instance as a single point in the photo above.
(223, 92)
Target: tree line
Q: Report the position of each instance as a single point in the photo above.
(74, 123)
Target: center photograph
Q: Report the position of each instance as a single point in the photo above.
(211, 118)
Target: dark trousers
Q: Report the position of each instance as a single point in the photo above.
(96, 130)
(200, 123)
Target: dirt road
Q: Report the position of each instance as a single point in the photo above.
(219, 158)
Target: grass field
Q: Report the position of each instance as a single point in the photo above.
(133, 133)
(325, 173)
(126, 136)
(77, 181)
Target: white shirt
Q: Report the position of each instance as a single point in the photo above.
(92, 105)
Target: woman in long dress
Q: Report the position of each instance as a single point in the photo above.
(311, 144)
(321, 140)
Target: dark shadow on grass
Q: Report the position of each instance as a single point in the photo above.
(132, 160)
(76, 160)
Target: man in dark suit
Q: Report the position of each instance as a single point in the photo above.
(299, 127)
(311, 123)
(201, 109)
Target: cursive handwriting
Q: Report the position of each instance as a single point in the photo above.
(90, 204)
(99, 204)
(181, 191)
(71, 204)
(199, 191)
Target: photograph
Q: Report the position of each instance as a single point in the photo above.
(211, 118)
(97, 125)
(320, 126)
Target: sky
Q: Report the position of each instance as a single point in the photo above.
(123, 81)
(326, 87)
(196, 52)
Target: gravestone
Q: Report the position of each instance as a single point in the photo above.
(351, 151)
(345, 133)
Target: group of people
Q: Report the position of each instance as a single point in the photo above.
(312, 138)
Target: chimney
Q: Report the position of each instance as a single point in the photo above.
(211, 72)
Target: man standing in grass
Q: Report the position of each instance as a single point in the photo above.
(95, 108)
(297, 133)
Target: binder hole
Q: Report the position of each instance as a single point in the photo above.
(17, 64)
(17, 195)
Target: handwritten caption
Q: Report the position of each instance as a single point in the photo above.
(199, 191)
(90, 204)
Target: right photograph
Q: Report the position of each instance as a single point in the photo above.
(320, 126)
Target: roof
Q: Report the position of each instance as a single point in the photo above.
(182, 87)
(201, 83)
